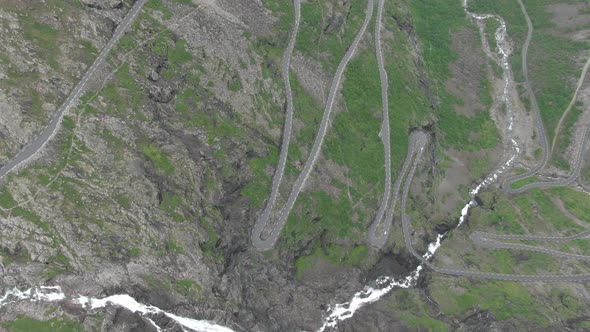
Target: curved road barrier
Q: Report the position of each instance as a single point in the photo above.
(268, 242)
(49, 132)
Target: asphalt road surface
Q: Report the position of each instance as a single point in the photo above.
(421, 140)
(490, 240)
(542, 137)
(379, 231)
(269, 242)
(377, 235)
(507, 185)
(47, 134)
(262, 222)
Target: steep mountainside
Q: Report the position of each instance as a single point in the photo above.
(158, 173)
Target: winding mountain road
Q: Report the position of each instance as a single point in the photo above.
(489, 240)
(262, 221)
(378, 232)
(420, 140)
(30, 151)
(507, 185)
(578, 163)
(269, 242)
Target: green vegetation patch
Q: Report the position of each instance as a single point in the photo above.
(235, 84)
(523, 182)
(423, 322)
(325, 38)
(434, 22)
(503, 218)
(157, 5)
(210, 245)
(185, 2)
(485, 92)
(574, 201)
(158, 158)
(307, 110)
(90, 52)
(283, 9)
(551, 55)
(335, 254)
(188, 288)
(134, 252)
(28, 324)
(6, 199)
(126, 44)
(354, 138)
(322, 213)
(503, 299)
(173, 248)
(58, 264)
(32, 217)
(550, 213)
(45, 38)
(258, 189)
(172, 204)
(177, 57)
(6, 257)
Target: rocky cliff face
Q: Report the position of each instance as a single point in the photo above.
(153, 183)
(45, 50)
(146, 189)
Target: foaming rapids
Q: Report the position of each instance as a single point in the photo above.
(487, 181)
(54, 294)
(500, 56)
(37, 294)
(384, 285)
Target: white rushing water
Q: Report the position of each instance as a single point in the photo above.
(43, 293)
(54, 293)
(369, 294)
(342, 311)
(500, 56)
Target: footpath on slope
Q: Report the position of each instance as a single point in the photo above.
(507, 185)
(570, 106)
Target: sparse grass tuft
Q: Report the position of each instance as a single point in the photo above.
(158, 158)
